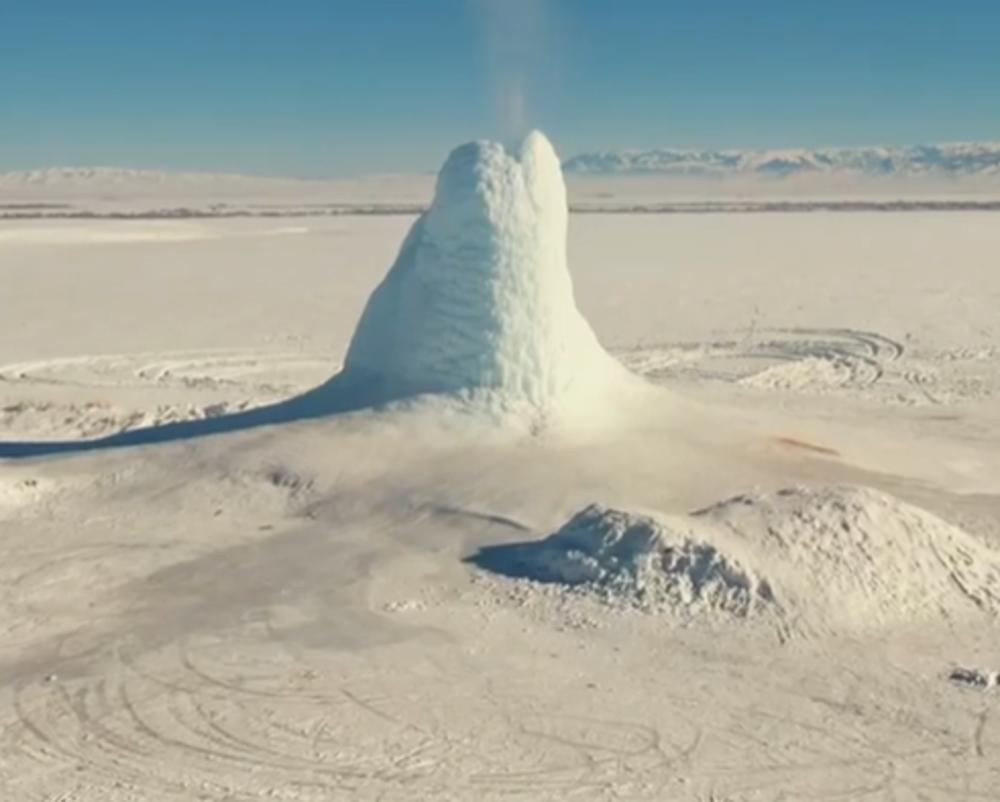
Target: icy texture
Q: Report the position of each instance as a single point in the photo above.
(480, 297)
(649, 563)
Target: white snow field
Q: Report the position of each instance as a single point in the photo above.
(229, 571)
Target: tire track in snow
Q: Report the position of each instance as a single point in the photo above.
(793, 358)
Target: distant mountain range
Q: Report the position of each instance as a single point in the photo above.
(953, 160)
(63, 177)
(931, 161)
(164, 190)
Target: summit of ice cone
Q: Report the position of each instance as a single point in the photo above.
(480, 297)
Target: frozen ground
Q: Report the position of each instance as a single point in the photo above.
(317, 611)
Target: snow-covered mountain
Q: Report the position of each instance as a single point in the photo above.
(68, 178)
(61, 175)
(127, 189)
(947, 160)
(952, 160)
(650, 180)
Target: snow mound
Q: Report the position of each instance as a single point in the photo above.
(806, 560)
(479, 301)
(846, 557)
(649, 562)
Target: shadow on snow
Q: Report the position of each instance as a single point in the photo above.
(337, 396)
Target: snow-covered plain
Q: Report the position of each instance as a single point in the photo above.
(365, 606)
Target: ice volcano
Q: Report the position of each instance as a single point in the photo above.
(477, 311)
(479, 304)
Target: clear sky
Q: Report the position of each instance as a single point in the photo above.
(330, 87)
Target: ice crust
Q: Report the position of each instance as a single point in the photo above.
(480, 300)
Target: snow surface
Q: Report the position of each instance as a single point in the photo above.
(301, 611)
(480, 297)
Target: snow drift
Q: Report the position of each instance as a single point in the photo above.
(805, 560)
(479, 301)
(647, 561)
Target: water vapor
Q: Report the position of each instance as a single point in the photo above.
(518, 45)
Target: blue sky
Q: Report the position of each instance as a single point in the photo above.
(333, 87)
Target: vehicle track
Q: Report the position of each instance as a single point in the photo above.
(247, 369)
(779, 358)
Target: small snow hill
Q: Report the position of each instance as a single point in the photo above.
(806, 561)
